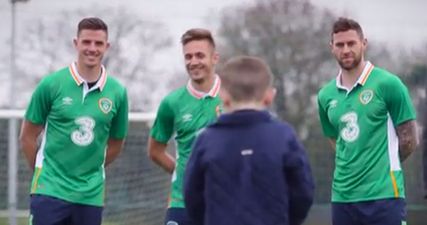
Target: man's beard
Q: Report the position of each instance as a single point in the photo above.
(353, 65)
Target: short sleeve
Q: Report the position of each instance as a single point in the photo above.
(40, 103)
(327, 127)
(163, 126)
(120, 123)
(398, 101)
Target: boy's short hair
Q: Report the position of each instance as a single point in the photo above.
(246, 78)
(197, 34)
(92, 23)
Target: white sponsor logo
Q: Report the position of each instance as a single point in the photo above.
(84, 135)
(351, 130)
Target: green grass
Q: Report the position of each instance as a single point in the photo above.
(21, 221)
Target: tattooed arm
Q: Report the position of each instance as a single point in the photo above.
(408, 138)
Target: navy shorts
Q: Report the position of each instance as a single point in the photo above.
(46, 210)
(177, 216)
(377, 212)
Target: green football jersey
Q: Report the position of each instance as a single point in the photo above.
(78, 121)
(362, 121)
(184, 112)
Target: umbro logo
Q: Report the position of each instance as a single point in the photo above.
(67, 101)
(187, 117)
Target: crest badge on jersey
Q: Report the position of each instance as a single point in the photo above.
(366, 96)
(105, 105)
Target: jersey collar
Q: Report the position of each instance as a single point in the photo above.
(213, 92)
(79, 80)
(362, 78)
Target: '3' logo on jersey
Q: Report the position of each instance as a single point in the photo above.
(84, 135)
(350, 131)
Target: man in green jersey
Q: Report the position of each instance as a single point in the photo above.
(83, 114)
(185, 112)
(368, 116)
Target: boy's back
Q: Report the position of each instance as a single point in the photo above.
(248, 168)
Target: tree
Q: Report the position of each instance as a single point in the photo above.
(292, 36)
(46, 45)
(417, 80)
(415, 77)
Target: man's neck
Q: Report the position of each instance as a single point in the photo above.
(245, 106)
(350, 77)
(204, 85)
(89, 74)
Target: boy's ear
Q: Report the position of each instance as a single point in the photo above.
(226, 98)
(269, 95)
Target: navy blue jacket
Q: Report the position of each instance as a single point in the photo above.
(248, 168)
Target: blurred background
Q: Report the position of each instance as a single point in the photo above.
(145, 54)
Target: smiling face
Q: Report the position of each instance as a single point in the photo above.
(91, 46)
(348, 48)
(200, 59)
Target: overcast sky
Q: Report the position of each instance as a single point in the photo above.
(402, 22)
(395, 22)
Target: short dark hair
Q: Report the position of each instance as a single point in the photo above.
(246, 78)
(196, 34)
(92, 23)
(344, 24)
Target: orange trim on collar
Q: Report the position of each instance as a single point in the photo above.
(77, 78)
(213, 92)
(215, 89)
(362, 78)
(103, 78)
(368, 72)
(197, 94)
(74, 74)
